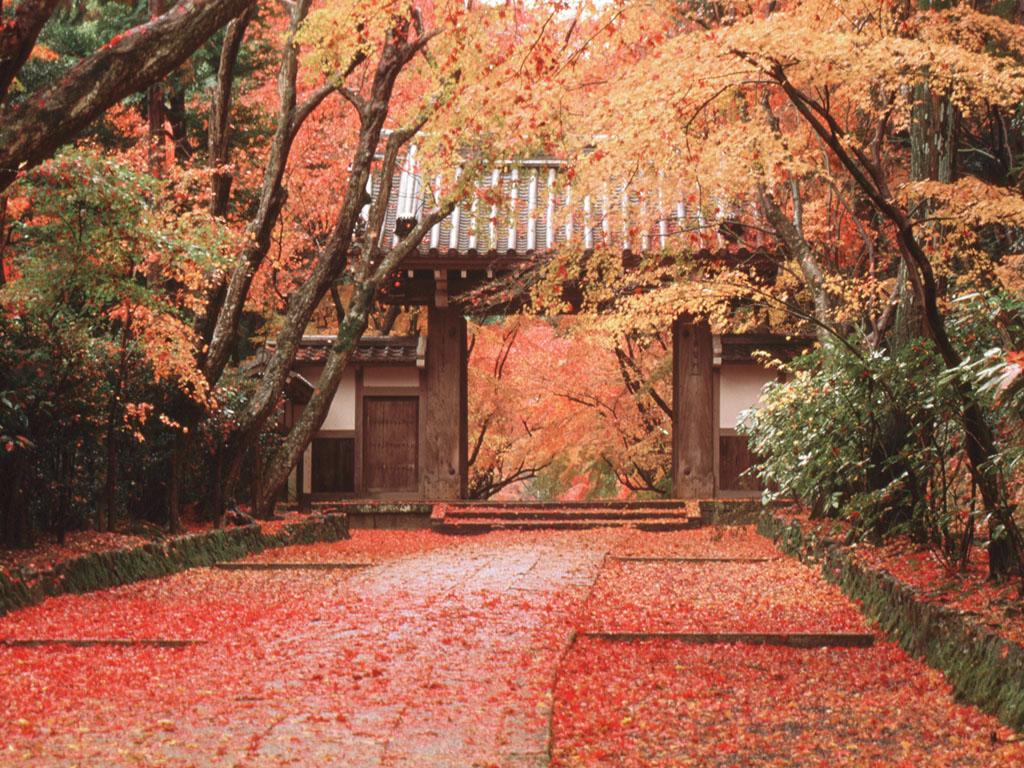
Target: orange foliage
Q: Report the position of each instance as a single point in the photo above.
(549, 396)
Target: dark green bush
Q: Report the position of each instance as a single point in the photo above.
(875, 437)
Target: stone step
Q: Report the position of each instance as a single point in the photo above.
(564, 505)
(537, 513)
(555, 522)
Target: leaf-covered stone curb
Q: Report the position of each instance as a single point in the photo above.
(101, 570)
(983, 667)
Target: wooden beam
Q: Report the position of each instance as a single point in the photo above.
(785, 639)
(693, 427)
(441, 288)
(360, 436)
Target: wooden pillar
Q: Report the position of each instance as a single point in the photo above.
(693, 427)
(445, 425)
(303, 475)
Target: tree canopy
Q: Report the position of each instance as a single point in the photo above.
(867, 155)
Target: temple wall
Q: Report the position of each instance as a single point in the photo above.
(740, 389)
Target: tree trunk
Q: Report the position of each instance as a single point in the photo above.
(934, 136)
(155, 109)
(371, 270)
(932, 151)
(790, 232)
(934, 140)
(331, 261)
(217, 489)
(279, 466)
(227, 301)
(105, 513)
(218, 154)
(178, 453)
(6, 232)
(63, 494)
(35, 128)
(18, 37)
(177, 118)
(797, 245)
(934, 132)
(220, 113)
(387, 322)
(17, 522)
(260, 510)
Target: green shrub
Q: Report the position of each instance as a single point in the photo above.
(874, 438)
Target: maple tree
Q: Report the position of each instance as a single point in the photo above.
(868, 154)
(361, 52)
(555, 410)
(104, 295)
(874, 167)
(302, 99)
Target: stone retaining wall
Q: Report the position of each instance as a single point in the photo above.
(386, 515)
(984, 668)
(102, 570)
(730, 511)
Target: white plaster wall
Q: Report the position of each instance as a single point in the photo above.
(405, 376)
(342, 413)
(740, 390)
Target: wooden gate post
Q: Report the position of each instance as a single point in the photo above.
(693, 428)
(445, 422)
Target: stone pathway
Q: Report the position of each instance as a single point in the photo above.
(444, 651)
(439, 657)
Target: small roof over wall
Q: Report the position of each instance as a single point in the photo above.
(371, 350)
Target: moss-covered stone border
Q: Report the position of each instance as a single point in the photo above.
(102, 570)
(983, 667)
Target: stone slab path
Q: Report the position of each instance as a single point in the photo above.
(441, 653)
(445, 652)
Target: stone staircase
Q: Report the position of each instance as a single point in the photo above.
(467, 517)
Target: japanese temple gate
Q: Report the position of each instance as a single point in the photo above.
(399, 420)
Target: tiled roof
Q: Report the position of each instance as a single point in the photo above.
(527, 206)
(372, 350)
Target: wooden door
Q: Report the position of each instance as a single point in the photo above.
(390, 443)
(734, 458)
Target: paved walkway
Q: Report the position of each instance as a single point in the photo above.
(440, 652)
